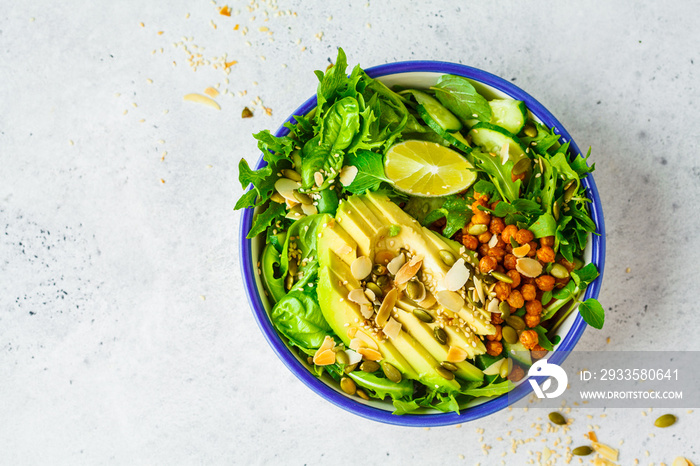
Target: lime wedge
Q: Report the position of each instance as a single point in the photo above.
(423, 168)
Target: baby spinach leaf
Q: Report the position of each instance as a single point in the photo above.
(298, 317)
(592, 312)
(340, 124)
(332, 82)
(459, 96)
(314, 157)
(370, 171)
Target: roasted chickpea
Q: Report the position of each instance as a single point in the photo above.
(515, 299)
(569, 265)
(481, 197)
(561, 282)
(483, 249)
(515, 276)
(529, 292)
(545, 254)
(545, 282)
(496, 318)
(538, 352)
(509, 248)
(502, 290)
(497, 253)
(470, 242)
(497, 225)
(529, 339)
(499, 268)
(481, 218)
(500, 243)
(532, 321)
(494, 348)
(494, 204)
(527, 280)
(533, 249)
(547, 241)
(533, 308)
(487, 264)
(496, 336)
(516, 374)
(482, 201)
(507, 232)
(523, 236)
(509, 261)
(485, 237)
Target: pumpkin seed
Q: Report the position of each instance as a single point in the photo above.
(293, 267)
(584, 450)
(375, 289)
(522, 166)
(504, 308)
(379, 269)
(474, 304)
(570, 191)
(369, 366)
(501, 276)
(555, 210)
(342, 357)
(361, 393)
(530, 130)
(666, 420)
(506, 367)
(414, 289)
(303, 198)
(516, 322)
(510, 335)
(382, 281)
(557, 418)
(447, 257)
(488, 280)
(440, 335)
(291, 174)
(423, 315)
(477, 229)
(289, 282)
(348, 385)
(449, 366)
(444, 373)
(391, 372)
(559, 271)
(350, 368)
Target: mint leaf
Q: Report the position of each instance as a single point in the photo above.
(459, 96)
(545, 225)
(566, 292)
(542, 340)
(585, 275)
(592, 312)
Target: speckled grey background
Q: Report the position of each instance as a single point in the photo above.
(125, 335)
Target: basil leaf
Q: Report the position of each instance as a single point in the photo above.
(459, 96)
(592, 312)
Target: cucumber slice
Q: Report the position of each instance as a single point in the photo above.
(454, 138)
(492, 138)
(518, 352)
(508, 114)
(443, 117)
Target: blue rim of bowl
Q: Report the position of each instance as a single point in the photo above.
(441, 419)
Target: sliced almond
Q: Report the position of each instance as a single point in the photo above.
(479, 288)
(396, 263)
(356, 344)
(521, 251)
(605, 451)
(680, 461)
(353, 356)
(358, 296)
(528, 267)
(202, 99)
(493, 241)
(456, 354)
(370, 354)
(505, 154)
(361, 267)
(324, 358)
(318, 178)
(367, 340)
(328, 343)
(386, 307)
(286, 188)
(457, 276)
(392, 328)
(309, 209)
(428, 302)
(370, 295)
(366, 310)
(347, 175)
(408, 270)
(450, 300)
(351, 332)
(493, 305)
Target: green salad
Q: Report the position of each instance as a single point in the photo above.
(421, 245)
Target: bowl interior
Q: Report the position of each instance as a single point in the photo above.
(422, 75)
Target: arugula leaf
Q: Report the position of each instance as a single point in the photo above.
(370, 171)
(405, 407)
(592, 312)
(456, 210)
(459, 96)
(486, 187)
(545, 225)
(500, 174)
(298, 317)
(580, 165)
(492, 389)
(274, 149)
(266, 218)
(544, 140)
(561, 164)
(246, 200)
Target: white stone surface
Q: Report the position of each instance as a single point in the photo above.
(125, 335)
